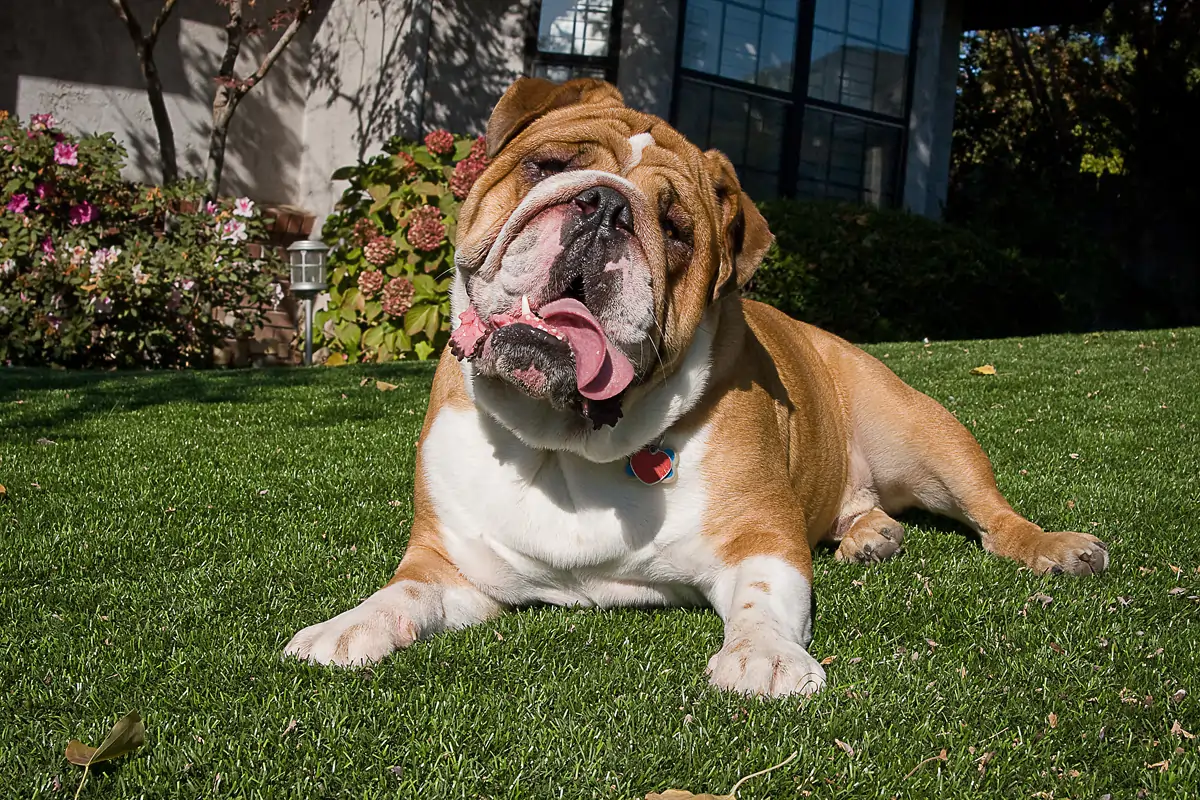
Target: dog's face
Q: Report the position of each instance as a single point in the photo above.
(589, 250)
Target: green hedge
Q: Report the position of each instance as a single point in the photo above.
(882, 275)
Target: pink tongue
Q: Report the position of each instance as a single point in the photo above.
(601, 370)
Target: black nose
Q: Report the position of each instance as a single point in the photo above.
(605, 207)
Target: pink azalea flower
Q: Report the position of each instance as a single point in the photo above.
(48, 248)
(44, 190)
(82, 214)
(66, 154)
(18, 204)
(243, 207)
(211, 208)
(42, 122)
(234, 231)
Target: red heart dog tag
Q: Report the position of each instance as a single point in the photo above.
(652, 465)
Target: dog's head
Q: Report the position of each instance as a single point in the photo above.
(587, 254)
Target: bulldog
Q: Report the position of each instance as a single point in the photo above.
(614, 425)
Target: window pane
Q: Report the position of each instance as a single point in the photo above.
(746, 128)
(695, 110)
(848, 158)
(575, 27)
(860, 54)
(561, 73)
(745, 40)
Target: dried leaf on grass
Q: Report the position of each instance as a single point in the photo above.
(126, 736)
(1178, 730)
(986, 369)
(680, 794)
(384, 386)
(1052, 719)
(847, 749)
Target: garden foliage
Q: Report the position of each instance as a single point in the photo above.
(392, 256)
(96, 271)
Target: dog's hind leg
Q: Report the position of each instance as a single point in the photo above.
(918, 454)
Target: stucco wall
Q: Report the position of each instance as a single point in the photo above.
(75, 59)
(931, 125)
(365, 84)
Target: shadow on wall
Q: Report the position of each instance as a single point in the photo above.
(476, 50)
(77, 61)
(366, 60)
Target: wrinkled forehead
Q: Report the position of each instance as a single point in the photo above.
(637, 146)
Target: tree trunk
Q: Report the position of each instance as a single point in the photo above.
(162, 120)
(224, 104)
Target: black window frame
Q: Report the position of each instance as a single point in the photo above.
(607, 64)
(797, 100)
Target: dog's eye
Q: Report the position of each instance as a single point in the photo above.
(675, 231)
(542, 168)
(669, 229)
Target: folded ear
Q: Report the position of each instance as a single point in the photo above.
(746, 237)
(530, 98)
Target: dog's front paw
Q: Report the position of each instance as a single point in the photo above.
(771, 667)
(364, 634)
(1073, 553)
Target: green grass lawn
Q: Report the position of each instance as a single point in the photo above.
(180, 528)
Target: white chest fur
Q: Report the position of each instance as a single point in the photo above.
(530, 525)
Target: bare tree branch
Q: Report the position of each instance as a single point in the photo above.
(303, 11)
(159, 21)
(144, 44)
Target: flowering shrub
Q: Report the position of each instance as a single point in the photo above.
(95, 271)
(392, 253)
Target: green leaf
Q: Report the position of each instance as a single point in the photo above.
(462, 148)
(425, 286)
(397, 208)
(423, 350)
(373, 310)
(427, 188)
(344, 173)
(448, 204)
(380, 193)
(373, 337)
(432, 322)
(348, 334)
(422, 157)
(417, 317)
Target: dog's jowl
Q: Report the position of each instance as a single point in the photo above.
(613, 424)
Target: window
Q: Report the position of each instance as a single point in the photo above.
(576, 39)
(806, 97)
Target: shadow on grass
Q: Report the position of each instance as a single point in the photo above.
(89, 394)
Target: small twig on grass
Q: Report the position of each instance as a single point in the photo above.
(738, 785)
(939, 757)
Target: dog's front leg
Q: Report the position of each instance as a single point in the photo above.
(765, 601)
(427, 595)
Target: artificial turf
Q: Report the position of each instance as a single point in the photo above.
(159, 553)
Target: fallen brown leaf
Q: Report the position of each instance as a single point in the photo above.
(1178, 730)
(984, 760)
(291, 726)
(1042, 598)
(1056, 647)
(1161, 766)
(384, 386)
(1052, 719)
(827, 660)
(986, 369)
(1179, 695)
(364, 381)
(126, 736)
(845, 747)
